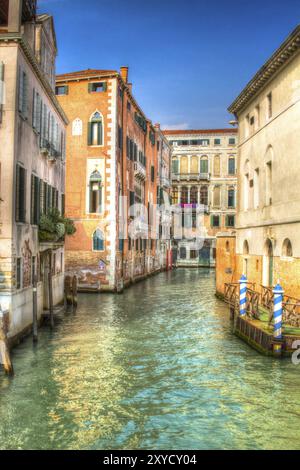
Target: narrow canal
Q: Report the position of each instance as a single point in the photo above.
(155, 368)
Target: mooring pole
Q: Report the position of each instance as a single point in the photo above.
(4, 350)
(278, 297)
(50, 292)
(243, 294)
(34, 310)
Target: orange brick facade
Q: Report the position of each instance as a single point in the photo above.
(125, 162)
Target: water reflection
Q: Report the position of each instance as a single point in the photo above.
(157, 367)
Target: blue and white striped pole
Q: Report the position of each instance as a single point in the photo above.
(243, 293)
(278, 297)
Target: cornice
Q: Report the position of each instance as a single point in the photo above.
(17, 38)
(288, 49)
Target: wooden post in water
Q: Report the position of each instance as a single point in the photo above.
(50, 288)
(4, 350)
(74, 291)
(34, 311)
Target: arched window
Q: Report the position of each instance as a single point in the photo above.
(95, 187)
(184, 165)
(77, 127)
(95, 130)
(184, 195)
(194, 165)
(245, 248)
(231, 166)
(204, 165)
(204, 195)
(287, 249)
(231, 197)
(194, 195)
(217, 165)
(175, 166)
(98, 240)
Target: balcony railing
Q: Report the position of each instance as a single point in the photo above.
(139, 171)
(191, 176)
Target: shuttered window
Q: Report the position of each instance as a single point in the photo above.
(35, 200)
(152, 174)
(20, 194)
(97, 87)
(23, 93)
(95, 130)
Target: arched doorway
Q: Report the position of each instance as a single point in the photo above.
(268, 264)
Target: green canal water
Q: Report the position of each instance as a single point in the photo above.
(154, 368)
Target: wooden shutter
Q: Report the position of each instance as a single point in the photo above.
(90, 88)
(66, 89)
(90, 133)
(99, 140)
(21, 194)
(105, 86)
(32, 200)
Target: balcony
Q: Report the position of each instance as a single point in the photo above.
(190, 176)
(165, 182)
(139, 171)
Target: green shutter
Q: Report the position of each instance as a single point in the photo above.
(32, 201)
(66, 90)
(226, 221)
(105, 86)
(90, 87)
(90, 133)
(99, 140)
(211, 220)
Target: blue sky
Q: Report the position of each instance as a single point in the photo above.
(187, 59)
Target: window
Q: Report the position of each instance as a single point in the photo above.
(193, 254)
(194, 195)
(37, 107)
(61, 90)
(204, 165)
(182, 252)
(269, 106)
(230, 220)
(97, 87)
(217, 196)
(35, 200)
(231, 166)
(95, 187)
(217, 141)
(184, 165)
(98, 240)
(215, 221)
(231, 197)
(77, 127)
(204, 195)
(184, 195)
(287, 249)
(120, 137)
(175, 196)
(23, 93)
(152, 174)
(231, 141)
(269, 183)
(194, 165)
(20, 194)
(257, 112)
(19, 273)
(128, 106)
(204, 142)
(256, 188)
(95, 130)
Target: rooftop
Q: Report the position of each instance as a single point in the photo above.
(199, 131)
(84, 74)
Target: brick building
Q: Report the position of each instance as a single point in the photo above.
(32, 135)
(113, 152)
(267, 246)
(204, 172)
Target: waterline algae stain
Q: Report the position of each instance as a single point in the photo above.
(155, 368)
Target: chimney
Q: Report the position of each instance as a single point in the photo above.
(124, 74)
(14, 16)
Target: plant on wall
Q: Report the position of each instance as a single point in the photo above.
(53, 226)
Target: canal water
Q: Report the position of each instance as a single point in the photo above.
(154, 368)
